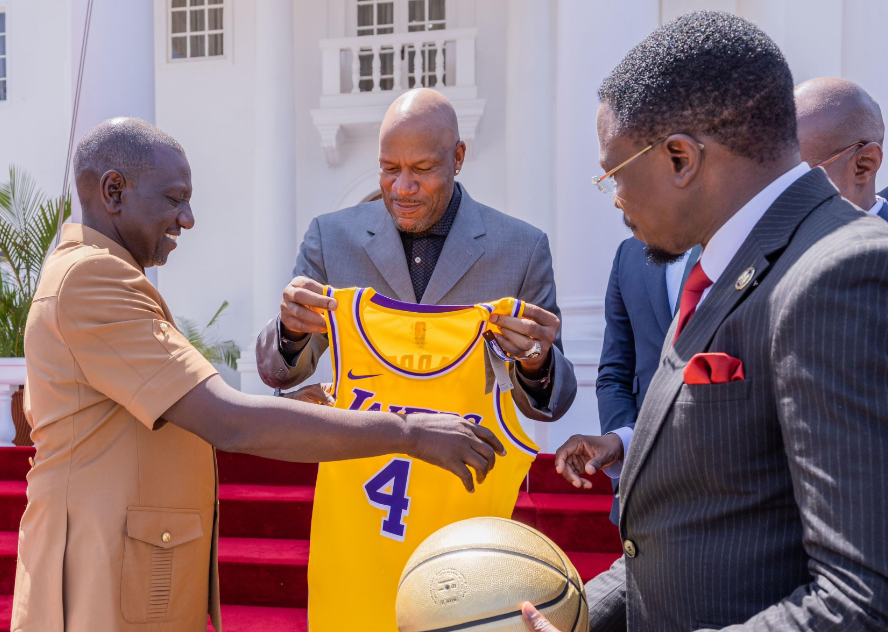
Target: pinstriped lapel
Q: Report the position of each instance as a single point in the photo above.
(769, 236)
(461, 250)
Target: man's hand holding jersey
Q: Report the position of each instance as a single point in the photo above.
(520, 337)
(450, 442)
(303, 297)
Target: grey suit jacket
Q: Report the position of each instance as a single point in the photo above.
(762, 504)
(487, 255)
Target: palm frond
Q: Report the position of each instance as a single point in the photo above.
(226, 352)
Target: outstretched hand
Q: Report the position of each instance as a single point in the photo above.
(313, 394)
(587, 454)
(534, 621)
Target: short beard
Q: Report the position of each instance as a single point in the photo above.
(661, 257)
(656, 255)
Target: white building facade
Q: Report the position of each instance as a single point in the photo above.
(278, 105)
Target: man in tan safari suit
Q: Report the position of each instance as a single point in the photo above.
(121, 527)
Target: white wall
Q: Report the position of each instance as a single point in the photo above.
(34, 120)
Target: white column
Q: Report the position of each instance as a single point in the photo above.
(118, 76)
(591, 40)
(274, 214)
(529, 111)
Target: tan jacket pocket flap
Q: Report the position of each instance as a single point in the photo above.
(164, 528)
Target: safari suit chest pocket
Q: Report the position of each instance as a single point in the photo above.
(158, 563)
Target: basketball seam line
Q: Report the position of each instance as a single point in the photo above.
(579, 589)
(524, 555)
(507, 615)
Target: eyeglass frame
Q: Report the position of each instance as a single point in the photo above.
(610, 174)
(824, 163)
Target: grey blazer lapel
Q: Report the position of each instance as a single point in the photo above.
(768, 237)
(461, 250)
(386, 251)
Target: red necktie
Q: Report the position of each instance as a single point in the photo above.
(690, 296)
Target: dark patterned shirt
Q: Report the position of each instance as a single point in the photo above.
(423, 249)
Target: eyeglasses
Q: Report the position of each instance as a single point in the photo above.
(835, 157)
(607, 183)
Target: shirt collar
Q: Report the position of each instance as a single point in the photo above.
(89, 237)
(877, 206)
(442, 227)
(727, 240)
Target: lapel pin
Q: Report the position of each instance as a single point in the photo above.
(744, 279)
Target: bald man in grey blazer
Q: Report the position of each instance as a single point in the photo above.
(426, 241)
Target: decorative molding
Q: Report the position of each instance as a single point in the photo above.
(363, 119)
(357, 190)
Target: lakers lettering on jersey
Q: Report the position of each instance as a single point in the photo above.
(370, 514)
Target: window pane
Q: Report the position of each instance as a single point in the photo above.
(214, 1)
(197, 3)
(2, 44)
(215, 19)
(385, 13)
(3, 68)
(436, 10)
(416, 11)
(179, 24)
(198, 44)
(2, 22)
(416, 27)
(180, 48)
(384, 30)
(178, 3)
(216, 44)
(2, 89)
(368, 31)
(437, 27)
(365, 15)
(198, 20)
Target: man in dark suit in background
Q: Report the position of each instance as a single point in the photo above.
(641, 300)
(841, 129)
(754, 492)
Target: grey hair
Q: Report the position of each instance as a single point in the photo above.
(122, 144)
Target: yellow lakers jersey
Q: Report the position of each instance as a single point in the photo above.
(370, 514)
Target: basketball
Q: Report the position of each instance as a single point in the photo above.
(475, 574)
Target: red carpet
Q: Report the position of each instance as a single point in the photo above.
(266, 520)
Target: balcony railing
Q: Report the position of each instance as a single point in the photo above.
(362, 75)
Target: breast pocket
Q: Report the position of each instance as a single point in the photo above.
(158, 563)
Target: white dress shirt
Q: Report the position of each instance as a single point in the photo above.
(877, 206)
(717, 255)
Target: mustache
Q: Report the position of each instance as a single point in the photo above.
(405, 200)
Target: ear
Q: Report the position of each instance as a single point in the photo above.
(866, 163)
(459, 156)
(112, 185)
(686, 155)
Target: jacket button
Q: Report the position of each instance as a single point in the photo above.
(629, 547)
(166, 537)
(164, 327)
(31, 460)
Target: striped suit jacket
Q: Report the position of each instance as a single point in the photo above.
(762, 504)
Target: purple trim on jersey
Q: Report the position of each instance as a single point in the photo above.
(392, 304)
(385, 301)
(334, 346)
(517, 309)
(502, 422)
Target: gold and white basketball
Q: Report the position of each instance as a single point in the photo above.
(474, 575)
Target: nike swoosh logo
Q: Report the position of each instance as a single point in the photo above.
(352, 376)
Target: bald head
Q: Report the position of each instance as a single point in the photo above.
(834, 114)
(419, 155)
(423, 109)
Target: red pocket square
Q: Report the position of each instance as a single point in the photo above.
(713, 368)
